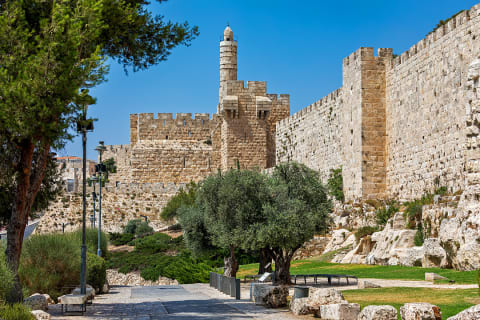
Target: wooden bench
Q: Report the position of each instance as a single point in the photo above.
(73, 300)
(322, 275)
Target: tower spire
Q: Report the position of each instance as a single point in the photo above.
(228, 60)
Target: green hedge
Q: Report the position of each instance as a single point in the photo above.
(157, 242)
(120, 239)
(138, 227)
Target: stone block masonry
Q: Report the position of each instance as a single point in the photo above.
(399, 127)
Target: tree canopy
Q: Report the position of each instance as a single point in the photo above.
(252, 211)
(51, 53)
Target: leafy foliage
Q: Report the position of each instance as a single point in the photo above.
(155, 243)
(91, 239)
(96, 271)
(384, 213)
(138, 227)
(16, 311)
(419, 236)
(182, 198)
(6, 276)
(444, 22)
(365, 231)
(335, 184)
(119, 239)
(51, 262)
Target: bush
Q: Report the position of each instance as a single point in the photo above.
(96, 271)
(137, 227)
(335, 184)
(365, 231)
(91, 239)
(182, 198)
(419, 236)
(6, 276)
(120, 239)
(413, 212)
(385, 213)
(157, 242)
(49, 263)
(16, 312)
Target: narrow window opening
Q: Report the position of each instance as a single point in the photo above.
(166, 137)
(203, 122)
(184, 122)
(184, 162)
(189, 133)
(164, 123)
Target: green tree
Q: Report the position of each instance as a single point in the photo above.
(300, 207)
(335, 184)
(51, 52)
(182, 198)
(228, 209)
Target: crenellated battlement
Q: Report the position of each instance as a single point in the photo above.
(145, 126)
(454, 24)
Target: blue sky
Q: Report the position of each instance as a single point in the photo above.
(296, 46)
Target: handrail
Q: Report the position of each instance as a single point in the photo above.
(227, 285)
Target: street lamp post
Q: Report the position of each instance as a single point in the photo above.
(94, 197)
(100, 148)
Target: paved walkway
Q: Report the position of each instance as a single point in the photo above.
(196, 302)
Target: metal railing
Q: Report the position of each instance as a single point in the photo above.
(227, 285)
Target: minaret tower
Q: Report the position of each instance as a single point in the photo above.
(228, 60)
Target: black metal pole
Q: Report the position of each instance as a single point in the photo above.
(83, 268)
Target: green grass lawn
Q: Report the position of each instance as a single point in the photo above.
(311, 266)
(450, 301)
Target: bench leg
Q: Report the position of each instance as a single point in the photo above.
(347, 281)
(305, 279)
(329, 281)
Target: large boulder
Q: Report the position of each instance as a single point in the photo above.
(322, 296)
(378, 313)
(41, 315)
(420, 311)
(472, 313)
(339, 311)
(270, 296)
(340, 238)
(36, 301)
(300, 306)
(434, 255)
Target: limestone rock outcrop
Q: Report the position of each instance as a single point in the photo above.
(41, 315)
(36, 301)
(339, 311)
(472, 313)
(270, 296)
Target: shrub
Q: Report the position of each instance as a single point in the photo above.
(120, 239)
(365, 231)
(182, 198)
(91, 239)
(419, 236)
(335, 184)
(96, 271)
(157, 242)
(49, 263)
(137, 227)
(385, 213)
(16, 312)
(413, 212)
(6, 276)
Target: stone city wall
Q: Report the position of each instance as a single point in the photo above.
(398, 127)
(426, 109)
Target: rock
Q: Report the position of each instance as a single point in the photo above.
(115, 278)
(434, 255)
(398, 221)
(90, 291)
(339, 311)
(270, 296)
(472, 313)
(49, 299)
(430, 276)
(340, 238)
(364, 284)
(36, 301)
(384, 312)
(323, 296)
(300, 306)
(420, 311)
(41, 315)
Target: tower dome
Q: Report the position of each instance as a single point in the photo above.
(228, 34)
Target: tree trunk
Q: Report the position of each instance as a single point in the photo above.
(231, 264)
(282, 268)
(264, 259)
(28, 183)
